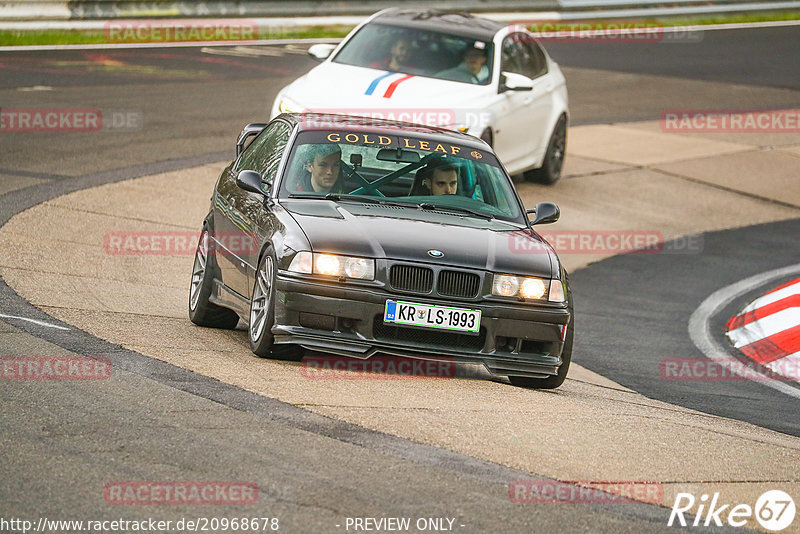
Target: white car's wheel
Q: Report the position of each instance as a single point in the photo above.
(550, 171)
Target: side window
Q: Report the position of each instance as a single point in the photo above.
(509, 62)
(264, 153)
(537, 64)
(522, 55)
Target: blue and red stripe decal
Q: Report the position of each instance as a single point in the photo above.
(392, 86)
(376, 81)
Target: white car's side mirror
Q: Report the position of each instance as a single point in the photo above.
(321, 51)
(511, 81)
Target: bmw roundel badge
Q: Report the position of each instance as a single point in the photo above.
(436, 253)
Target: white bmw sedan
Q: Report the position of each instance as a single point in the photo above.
(454, 71)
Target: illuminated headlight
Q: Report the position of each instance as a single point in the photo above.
(287, 105)
(333, 265)
(506, 285)
(328, 265)
(532, 288)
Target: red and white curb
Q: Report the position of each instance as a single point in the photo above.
(768, 329)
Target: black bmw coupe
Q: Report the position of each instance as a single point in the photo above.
(357, 236)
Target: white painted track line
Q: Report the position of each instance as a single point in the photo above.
(33, 321)
(700, 331)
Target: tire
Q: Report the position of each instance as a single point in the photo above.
(201, 311)
(262, 315)
(262, 307)
(550, 171)
(554, 381)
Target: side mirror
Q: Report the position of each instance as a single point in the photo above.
(546, 213)
(248, 131)
(251, 181)
(511, 81)
(321, 51)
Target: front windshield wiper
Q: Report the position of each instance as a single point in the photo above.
(457, 209)
(336, 197)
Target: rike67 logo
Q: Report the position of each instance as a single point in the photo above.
(774, 510)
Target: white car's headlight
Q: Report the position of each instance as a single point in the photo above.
(333, 265)
(287, 105)
(527, 287)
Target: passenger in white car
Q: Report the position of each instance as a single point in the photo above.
(472, 69)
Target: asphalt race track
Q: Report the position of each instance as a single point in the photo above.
(674, 287)
(188, 404)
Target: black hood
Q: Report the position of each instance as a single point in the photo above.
(400, 233)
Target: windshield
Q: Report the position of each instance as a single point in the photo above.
(419, 52)
(400, 170)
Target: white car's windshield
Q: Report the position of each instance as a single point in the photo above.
(419, 52)
(400, 169)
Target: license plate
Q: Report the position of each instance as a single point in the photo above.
(424, 315)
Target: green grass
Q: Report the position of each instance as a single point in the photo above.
(61, 37)
(48, 37)
(733, 19)
(600, 24)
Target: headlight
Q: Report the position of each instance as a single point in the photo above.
(527, 287)
(505, 285)
(532, 288)
(333, 265)
(359, 268)
(328, 265)
(287, 105)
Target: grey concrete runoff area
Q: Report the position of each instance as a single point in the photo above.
(186, 405)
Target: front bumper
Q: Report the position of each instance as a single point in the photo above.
(514, 340)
